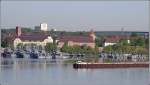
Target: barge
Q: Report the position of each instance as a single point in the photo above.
(110, 65)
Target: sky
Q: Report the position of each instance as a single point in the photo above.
(77, 15)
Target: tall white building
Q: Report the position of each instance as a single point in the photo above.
(43, 26)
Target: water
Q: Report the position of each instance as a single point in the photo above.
(41, 72)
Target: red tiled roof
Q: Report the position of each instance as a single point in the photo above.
(33, 37)
(112, 40)
(115, 39)
(76, 39)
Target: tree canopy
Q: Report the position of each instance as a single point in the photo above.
(50, 47)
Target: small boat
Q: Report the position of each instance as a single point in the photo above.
(34, 55)
(53, 54)
(19, 54)
(7, 53)
(42, 55)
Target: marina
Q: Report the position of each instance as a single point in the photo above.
(74, 43)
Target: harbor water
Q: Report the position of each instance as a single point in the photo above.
(50, 72)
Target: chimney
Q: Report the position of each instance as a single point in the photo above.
(18, 30)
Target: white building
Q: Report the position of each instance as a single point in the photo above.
(115, 39)
(108, 43)
(43, 26)
(33, 39)
(38, 39)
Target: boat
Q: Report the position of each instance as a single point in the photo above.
(79, 65)
(34, 55)
(19, 54)
(42, 55)
(7, 53)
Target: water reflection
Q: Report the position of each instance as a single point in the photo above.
(49, 72)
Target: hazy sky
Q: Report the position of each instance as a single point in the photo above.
(77, 15)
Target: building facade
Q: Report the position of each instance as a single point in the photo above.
(78, 40)
(112, 40)
(37, 39)
(42, 27)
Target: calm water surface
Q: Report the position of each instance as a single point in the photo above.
(45, 72)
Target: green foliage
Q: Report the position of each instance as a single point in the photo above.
(78, 49)
(147, 44)
(108, 49)
(134, 35)
(124, 42)
(50, 47)
(4, 44)
(137, 45)
(5, 41)
(126, 49)
(140, 50)
(137, 41)
(99, 41)
(20, 45)
(27, 30)
(65, 47)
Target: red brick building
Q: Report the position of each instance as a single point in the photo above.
(78, 40)
(115, 39)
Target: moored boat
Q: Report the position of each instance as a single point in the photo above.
(7, 53)
(34, 55)
(19, 54)
(109, 65)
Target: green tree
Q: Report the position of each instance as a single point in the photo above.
(99, 41)
(147, 44)
(134, 35)
(64, 47)
(27, 30)
(108, 49)
(4, 44)
(78, 49)
(20, 46)
(137, 41)
(50, 47)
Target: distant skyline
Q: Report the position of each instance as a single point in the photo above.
(77, 15)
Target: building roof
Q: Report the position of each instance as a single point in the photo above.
(33, 37)
(115, 39)
(80, 39)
